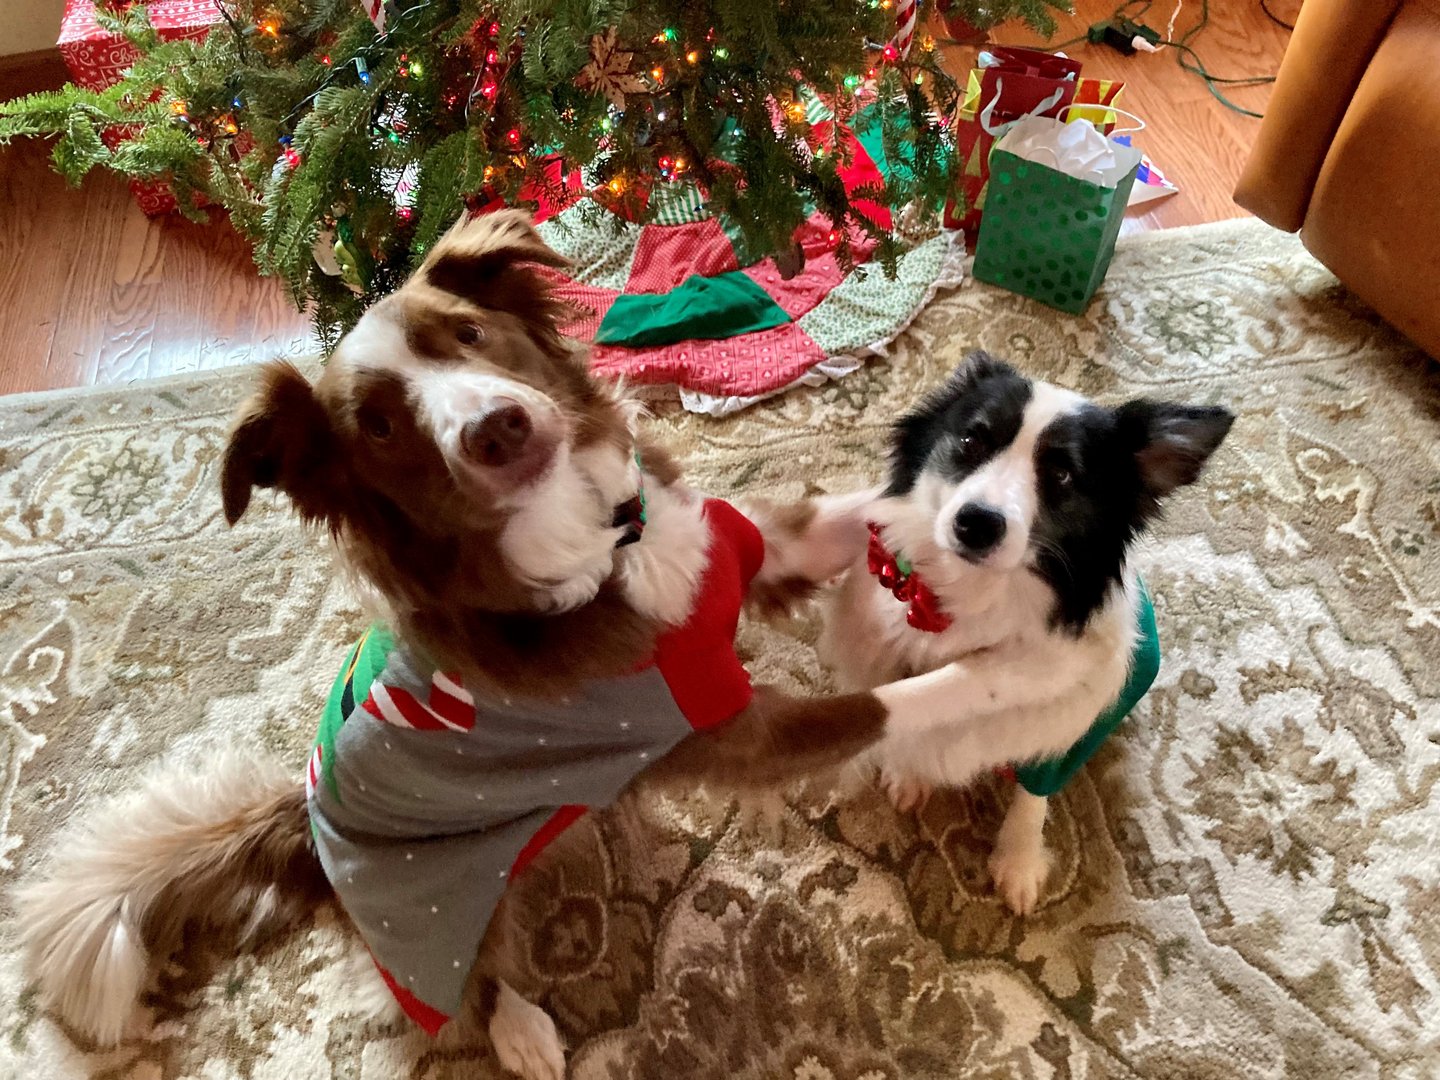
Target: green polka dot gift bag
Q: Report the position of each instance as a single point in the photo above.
(1057, 198)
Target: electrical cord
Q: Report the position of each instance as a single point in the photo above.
(1265, 7)
(1186, 56)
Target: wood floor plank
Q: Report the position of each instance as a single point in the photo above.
(91, 290)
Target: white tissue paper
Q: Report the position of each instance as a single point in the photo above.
(1075, 149)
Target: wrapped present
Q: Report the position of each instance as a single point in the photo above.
(1012, 83)
(97, 58)
(1057, 198)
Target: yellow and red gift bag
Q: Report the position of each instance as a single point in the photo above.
(1010, 84)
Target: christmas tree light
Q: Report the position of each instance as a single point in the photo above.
(298, 118)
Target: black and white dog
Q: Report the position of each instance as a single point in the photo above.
(1002, 546)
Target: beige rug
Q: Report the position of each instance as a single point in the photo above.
(1249, 877)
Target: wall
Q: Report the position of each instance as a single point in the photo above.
(30, 25)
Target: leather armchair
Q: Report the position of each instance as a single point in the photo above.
(1349, 153)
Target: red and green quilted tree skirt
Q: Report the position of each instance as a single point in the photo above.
(675, 304)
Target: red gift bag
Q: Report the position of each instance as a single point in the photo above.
(97, 58)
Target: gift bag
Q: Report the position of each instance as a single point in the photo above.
(1010, 84)
(1056, 200)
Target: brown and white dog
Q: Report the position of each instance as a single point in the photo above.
(474, 478)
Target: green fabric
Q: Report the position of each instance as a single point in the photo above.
(870, 133)
(678, 203)
(1048, 776)
(1047, 235)
(863, 312)
(365, 662)
(723, 306)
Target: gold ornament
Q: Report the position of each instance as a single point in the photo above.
(609, 72)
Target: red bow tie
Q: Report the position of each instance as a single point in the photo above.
(897, 575)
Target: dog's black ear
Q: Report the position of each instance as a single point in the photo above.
(282, 439)
(1172, 442)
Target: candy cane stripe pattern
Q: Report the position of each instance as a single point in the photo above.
(312, 773)
(445, 712)
(907, 14)
(376, 10)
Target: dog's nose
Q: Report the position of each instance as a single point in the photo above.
(498, 437)
(979, 528)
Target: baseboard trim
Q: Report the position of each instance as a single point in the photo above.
(31, 72)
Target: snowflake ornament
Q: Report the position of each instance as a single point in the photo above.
(609, 71)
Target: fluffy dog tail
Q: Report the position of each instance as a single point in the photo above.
(226, 846)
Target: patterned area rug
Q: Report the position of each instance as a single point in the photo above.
(1248, 882)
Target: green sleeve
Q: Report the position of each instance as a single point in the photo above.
(365, 662)
(1048, 775)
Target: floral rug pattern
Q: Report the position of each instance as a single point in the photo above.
(1247, 881)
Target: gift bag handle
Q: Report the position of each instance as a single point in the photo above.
(1107, 108)
(987, 114)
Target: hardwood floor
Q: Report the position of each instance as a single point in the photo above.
(92, 291)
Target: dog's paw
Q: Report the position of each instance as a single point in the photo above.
(906, 791)
(1019, 873)
(525, 1038)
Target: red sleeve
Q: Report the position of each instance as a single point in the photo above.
(697, 660)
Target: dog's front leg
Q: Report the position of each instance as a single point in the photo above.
(1002, 680)
(1021, 863)
(525, 1037)
(807, 544)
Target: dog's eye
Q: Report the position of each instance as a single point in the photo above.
(375, 424)
(470, 334)
(1062, 477)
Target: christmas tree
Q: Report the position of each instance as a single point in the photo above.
(343, 136)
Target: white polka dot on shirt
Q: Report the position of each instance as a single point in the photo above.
(409, 856)
(624, 725)
(455, 963)
(541, 740)
(385, 923)
(644, 755)
(434, 910)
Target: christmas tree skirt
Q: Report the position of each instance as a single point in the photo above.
(677, 305)
(1246, 882)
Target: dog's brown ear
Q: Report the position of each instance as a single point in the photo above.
(282, 439)
(483, 260)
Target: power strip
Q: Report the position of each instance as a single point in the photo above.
(1125, 36)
